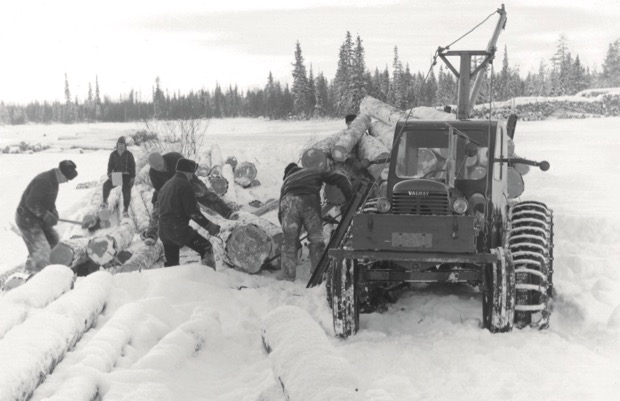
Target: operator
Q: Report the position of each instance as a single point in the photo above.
(300, 205)
(37, 215)
(163, 169)
(177, 205)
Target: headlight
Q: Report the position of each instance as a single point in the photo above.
(383, 205)
(460, 206)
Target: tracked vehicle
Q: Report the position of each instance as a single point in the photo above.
(445, 215)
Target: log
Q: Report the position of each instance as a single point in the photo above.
(143, 258)
(229, 176)
(216, 156)
(372, 149)
(232, 160)
(218, 184)
(317, 155)
(138, 210)
(383, 112)
(250, 241)
(204, 161)
(383, 132)
(88, 211)
(245, 173)
(104, 249)
(70, 252)
(147, 198)
(429, 113)
(346, 142)
(43, 339)
(301, 355)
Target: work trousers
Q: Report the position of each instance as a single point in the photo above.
(196, 242)
(39, 238)
(126, 189)
(297, 211)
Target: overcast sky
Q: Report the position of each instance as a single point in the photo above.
(191, 44)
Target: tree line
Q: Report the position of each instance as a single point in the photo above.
(316, 96)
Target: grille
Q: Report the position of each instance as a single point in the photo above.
(437, 203)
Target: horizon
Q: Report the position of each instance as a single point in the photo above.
(190, 45)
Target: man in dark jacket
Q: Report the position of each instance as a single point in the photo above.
(163, 168)
(177, 205)
(300, 205)
(37, 215)
(121, 161)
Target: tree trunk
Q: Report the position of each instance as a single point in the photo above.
(138, 210)
(250, 241)
(245, 173)
(383, 112)
(104, 249)
(143, 258)
(317, 155)
(384, 132)
(346, 142)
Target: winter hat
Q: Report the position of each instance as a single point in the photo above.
(157, 162)
(68, 169)
(186, 166)
(349, 118)
(121, 140)
(292, 167)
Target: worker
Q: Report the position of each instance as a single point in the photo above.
(37, 215)
(300, 205)
(121, 161)
(162, 168)
(177, 205)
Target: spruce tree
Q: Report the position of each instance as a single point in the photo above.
(611, 66)
(300, 85)
(342, 100)
(356, 90)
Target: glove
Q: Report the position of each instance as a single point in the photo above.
(50, 219)
(213, 229)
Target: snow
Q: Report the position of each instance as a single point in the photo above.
(191, 333)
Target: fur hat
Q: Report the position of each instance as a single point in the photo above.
(291, 168)
(121, 140)
(156, 161)
(186, 166)
(68, 169)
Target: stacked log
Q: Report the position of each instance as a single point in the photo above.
(317, 155)
(138, 210)
(382, 131)
(229, 176)
(103, 249)
(383, 112)
(372, 149)
(347, 141)
(142, 258)
(245, 174)
(70, 252)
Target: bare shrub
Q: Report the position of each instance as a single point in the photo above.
(186, 136)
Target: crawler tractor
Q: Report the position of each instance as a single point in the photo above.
(444, 215)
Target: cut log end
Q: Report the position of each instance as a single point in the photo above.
(219, 184)
(339, 153)
(245, 173)
(248, 247)
(62, 254)
(314, 158)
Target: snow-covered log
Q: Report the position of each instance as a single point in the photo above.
(143, 178)
(90, 209)
(384, 132)
(245, 173)
(218, 184)
(43, 288)
(147, 198)
(378, 110)
(346, 142)
(216, 156)
(103, 249)
(429, 113)
(229, 176)
(142, 258)
(301, 356)
(138, 210)
(70, 252)
(77, 379)
(44, 338)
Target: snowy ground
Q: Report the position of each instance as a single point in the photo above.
(427, 346)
